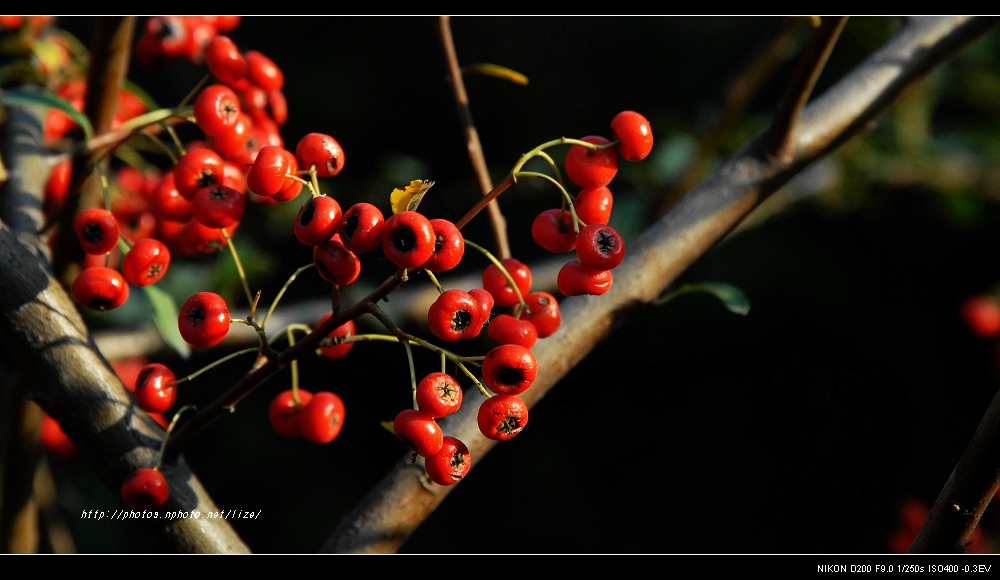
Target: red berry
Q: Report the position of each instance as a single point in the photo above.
(338, 350)
(576, 279)
(323, 417)
(218, 206)
(439, 394)
(285, 413)
(509, 369)
(449, 246)
(449, 465)
(589, 168)
(57, 186)
(204, 320)
(226, 62)
(543, 312)
(145, 489)
(496, 283)
(318, 220)
(262, 71)
(553, 230)
(320, 150)
(335, 263)
(231, 143)
(290, 188)
(419, 431)
(485, 302)
(593, 205)
(982, 314)
(454, 315)
(216, 109)
(408, 239)
(155, 390)
(167, 202)
(100, 288)
(135, 218)
(97, 230)
(277, 109)
(634, 133)
(600, 247)
(197, 238)
(196, 169)
(267, 174)
(54, 440)
(501, 417)
(146, 262)
(361, 228)
(506, 329)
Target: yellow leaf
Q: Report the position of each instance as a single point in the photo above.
(408, 197)
(495, 70)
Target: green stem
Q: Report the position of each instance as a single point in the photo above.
(239, 265)
(214, 364)
(281, 292)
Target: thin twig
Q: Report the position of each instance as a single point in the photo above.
(497, 220)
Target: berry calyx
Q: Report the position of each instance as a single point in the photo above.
(145, 489)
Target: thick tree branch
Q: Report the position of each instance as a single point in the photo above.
(394, 508)
(42, 331)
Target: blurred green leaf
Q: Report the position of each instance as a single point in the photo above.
(730, 296)
(165, 315)
(48, 100)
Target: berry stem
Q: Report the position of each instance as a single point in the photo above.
(281, 292)
(239, 265)
(215, 363)
(166, 437)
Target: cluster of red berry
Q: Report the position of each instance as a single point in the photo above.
(195, 205)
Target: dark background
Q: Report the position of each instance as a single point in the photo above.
(851, 385)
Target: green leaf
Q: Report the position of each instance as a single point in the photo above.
(165, 315)
(51, 101)
(731, 297)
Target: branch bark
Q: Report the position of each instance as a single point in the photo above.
(44, 336)
(394, 508)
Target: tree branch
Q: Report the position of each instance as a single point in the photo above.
(397, 505)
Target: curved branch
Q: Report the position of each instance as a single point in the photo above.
(42, 330)
(394, 508)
